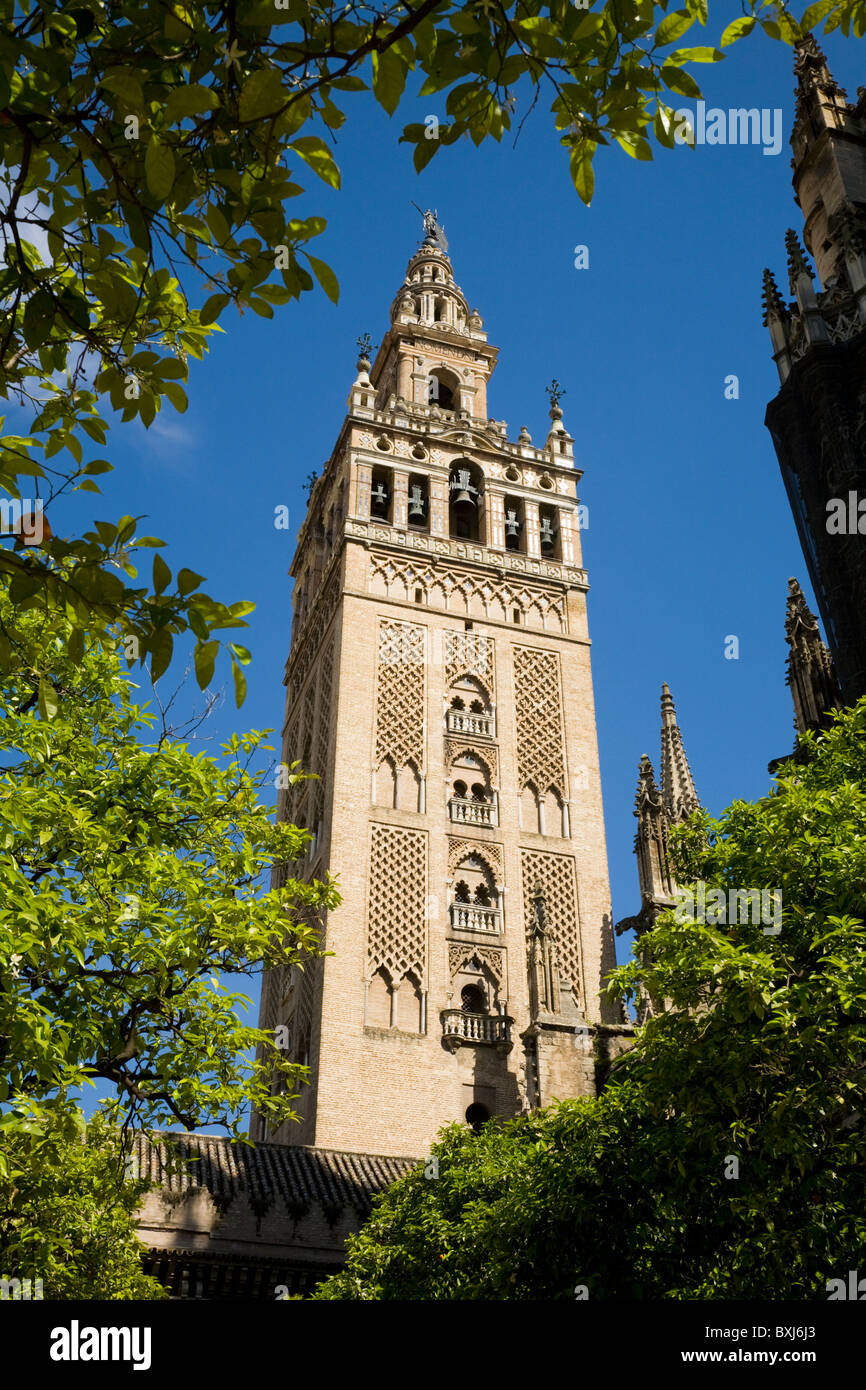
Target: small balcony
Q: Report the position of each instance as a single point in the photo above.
(475, 917)
(466, 811)
(462, 721)
(461, 1029)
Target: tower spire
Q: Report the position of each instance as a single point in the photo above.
(679, 797)
(817, 90)
(811, 676)
(771, 299)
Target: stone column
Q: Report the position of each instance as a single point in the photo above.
(531, 528)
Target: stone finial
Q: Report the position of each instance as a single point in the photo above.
(678, 789)
(797, 263)
(524, 437)
(771, 299)
(648, 795)
(810, 674)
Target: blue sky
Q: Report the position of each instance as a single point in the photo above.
(690, 537)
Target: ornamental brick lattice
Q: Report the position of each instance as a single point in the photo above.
(470, 654)
(554, 875)
(540, 732)
(400, 686)
(397, 922)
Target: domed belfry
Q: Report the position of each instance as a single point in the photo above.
(439, 687)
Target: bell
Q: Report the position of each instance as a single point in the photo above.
(379, 500)
(416, 503)
(512, 525)
(547, 533)
(462, 489)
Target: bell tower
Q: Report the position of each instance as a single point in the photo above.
(439, 686)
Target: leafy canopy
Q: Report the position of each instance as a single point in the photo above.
(725, 1157)
(67, 1211)
(152, 153)
(131, 877)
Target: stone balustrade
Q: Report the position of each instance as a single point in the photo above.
(475, 917)
(465, 811)
(461, 721)
(459, 1027)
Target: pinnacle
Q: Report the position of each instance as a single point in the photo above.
(678, 788)
(771, 297)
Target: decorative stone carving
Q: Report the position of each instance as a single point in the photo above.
(490, 853)
(400, 687)
(555, 875)
(540, 731)
(397, 919)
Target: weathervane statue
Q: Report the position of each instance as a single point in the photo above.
(433, 227)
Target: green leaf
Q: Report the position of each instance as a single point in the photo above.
(162, 647)
(389, 79)
(48, 701)
(76, 645)
(213, 307)
(815, 13)
(38, 318)
(680, 82)
(636, 146)
(159, 169)
(315, 152)
(189, 101)
(198, 624)
(673, 26)
(205, 660)
(240, 684)
(326, 278)
(187, 580)
(262, 95)
(583, 178)
(126, 86)
(161, 574)
(695, 55)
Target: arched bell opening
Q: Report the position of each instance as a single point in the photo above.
(548, 532)
(515, 525)
(465, 491)
(382, 494)
(418, 511)
(443, 389)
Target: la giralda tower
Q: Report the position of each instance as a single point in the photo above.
(439, 685)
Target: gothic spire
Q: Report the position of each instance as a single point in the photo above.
(811, 676)
(797, 263)
(648, 796)
(678, 789)
(813, 77)
(774, 305)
